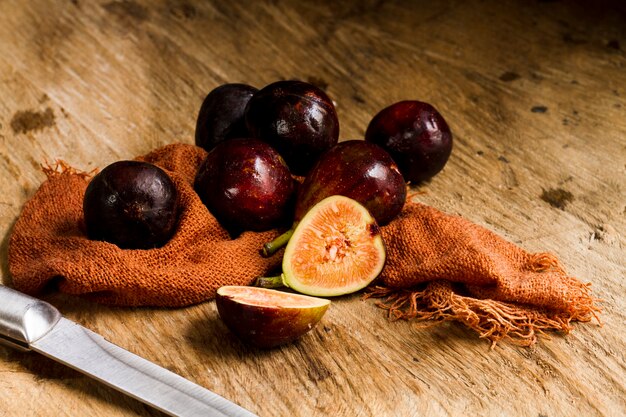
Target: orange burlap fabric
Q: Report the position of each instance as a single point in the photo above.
(48, 243)
(439, 267)
(442, 267)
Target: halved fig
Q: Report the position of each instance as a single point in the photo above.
(335, 249)
(267, 318)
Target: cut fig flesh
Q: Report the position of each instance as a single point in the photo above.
(267, 318)
(263, 297)
(335, 249)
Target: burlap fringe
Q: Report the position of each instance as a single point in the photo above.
(542, 262)
(411, 194)
(493, 320)
(60, 167)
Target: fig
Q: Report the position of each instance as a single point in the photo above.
(131, 204)
(357, 169)
(416, 136)
(246, 185)
(268, 318)
(336, 249)
(221, 115)
(360, 170)
(297, 119)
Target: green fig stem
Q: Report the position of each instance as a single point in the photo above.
(270, 282)
(272, 247)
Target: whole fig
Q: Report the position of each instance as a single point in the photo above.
(246, 185)
(131, 204)
(297, 119)
(416, 136)
(359, 170)
(356, 169)
(221, 115)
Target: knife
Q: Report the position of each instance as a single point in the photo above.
(29, 324)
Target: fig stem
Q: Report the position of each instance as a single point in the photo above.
(272, 247)
(270, 282)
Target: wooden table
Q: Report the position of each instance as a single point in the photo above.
(535, 93)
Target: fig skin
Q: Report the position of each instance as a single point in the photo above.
(359, 170)
(267, 326)
(416, 136)
(221, 115)
(246, 185)
(296, 118)
(356, 169)
(131, 204)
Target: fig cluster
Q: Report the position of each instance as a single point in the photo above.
(407, 142)
(259, 142)
(343, 193)
(274, 160)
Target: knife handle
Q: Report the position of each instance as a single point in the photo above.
(24, 319)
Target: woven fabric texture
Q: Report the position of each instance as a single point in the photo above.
(439, 267)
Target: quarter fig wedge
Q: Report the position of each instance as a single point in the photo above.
(336, 249)
(268, 318)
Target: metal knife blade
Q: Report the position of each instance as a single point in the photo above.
(27, 323)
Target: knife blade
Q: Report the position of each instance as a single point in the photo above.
(30, 324)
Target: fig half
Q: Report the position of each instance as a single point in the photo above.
(336, 249)
(267, 318)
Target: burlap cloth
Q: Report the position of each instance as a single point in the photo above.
(439, 267)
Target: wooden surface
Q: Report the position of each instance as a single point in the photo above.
(535, 93)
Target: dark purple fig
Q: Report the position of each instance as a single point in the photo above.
(268, 318)
(131, 204)
(359, 170)
(246, 185)
(416, 136)
(221, 115)
(297, 119)
(356, 169)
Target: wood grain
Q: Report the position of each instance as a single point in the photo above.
(535, 93)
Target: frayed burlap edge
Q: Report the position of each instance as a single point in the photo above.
(60, 167)
(493, 320)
